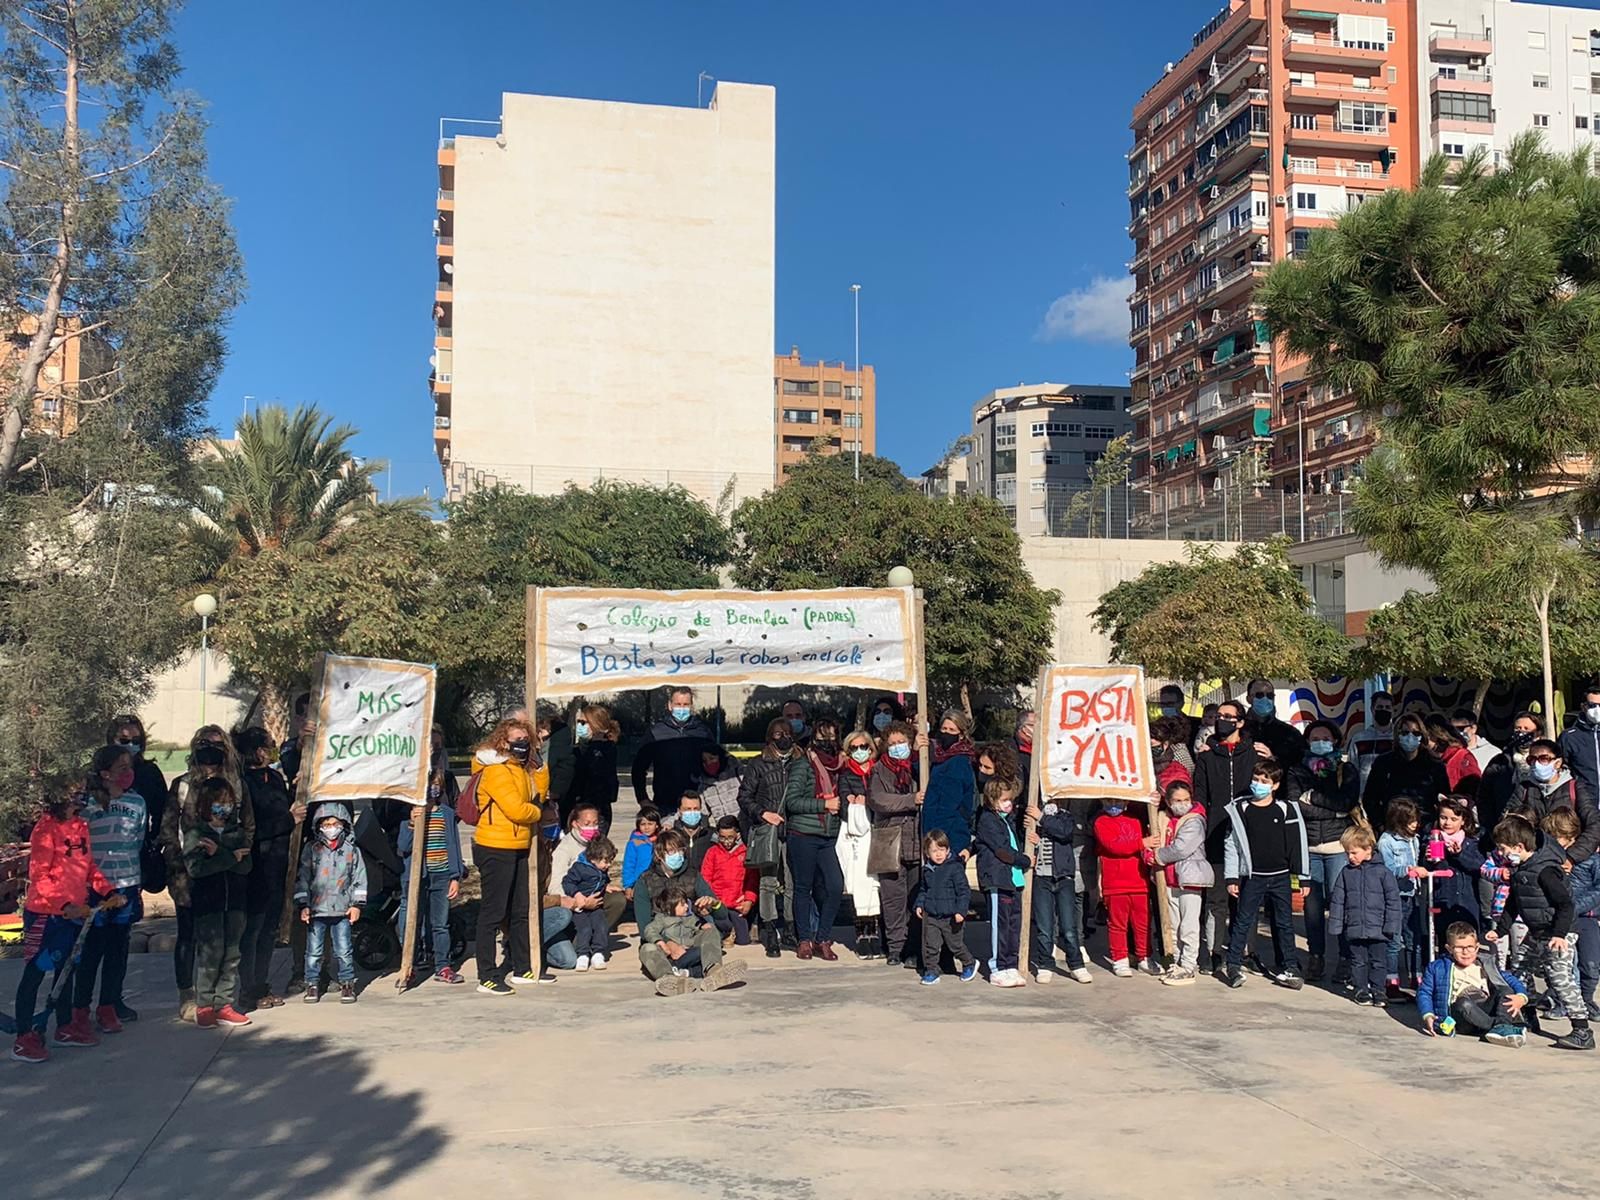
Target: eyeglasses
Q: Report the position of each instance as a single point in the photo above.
(1461, 728)
(1541, 758)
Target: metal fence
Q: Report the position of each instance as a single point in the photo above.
(1121, 512)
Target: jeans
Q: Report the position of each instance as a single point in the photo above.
(1588, 931)
(592, 936)
(343, 954)
(557, 936)
(728, 920)
(818, 886)
(1256, 891)
(1403, 946)
(1368, 959)
(1325, 869)
(434, 927)
(1055, 914)
(504, 877)
(1183, 906)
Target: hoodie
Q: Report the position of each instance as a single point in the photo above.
(332, 880)
(60, 868)
(508, 804)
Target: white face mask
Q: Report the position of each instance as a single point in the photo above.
(1005, 806)
(1179, 808)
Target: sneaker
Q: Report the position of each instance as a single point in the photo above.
(76, 1033)
(930, 979)
(29, 1048)
(1235, 977)
(997, 979)
(347, 993)
(205, 1018)
(448, 975)
(528, 979)
(1043, 975)
(1179, 977)
(1153, 967)
(680, 970)
(1289, 978)
(229, 1015)
(676, 985)
(125, 1014)
(1581, 1038)
(313, 993)
(105, 1019)
(1363, 996)
(1392, 991)
(1012, 979)
(1379, 1000)
(724, 975)
(597, 962)
(1315, 968)
(1506, 1035)
(1080, 975)
(1121, 969)
(495, 987)
(968, 973)
(583, 963)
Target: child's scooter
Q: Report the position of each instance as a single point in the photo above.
(41, 1021)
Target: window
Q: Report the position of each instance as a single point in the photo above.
(1361, 117)
(1036, 458)
(800, 416)
(1465, 106)
(1541, 81)
(852, 392)
(1541, 120)
(830, 416)
(1305, 201)
(799, 387)
(1261, 208)
(1454, 149)
(1099, 433)
(1056, 429)
(1300, 242)
(50, 406)
(1302, 120)
(1580, 122)
(1444, 73)
(851, 420)
(1536, 40)
(1005, 435)
(831, 387)
(1300, 164)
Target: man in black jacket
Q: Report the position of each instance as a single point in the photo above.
(1549, 786)
(1580, 745)
(1222, 773)
(1288, 744)
(672, 752)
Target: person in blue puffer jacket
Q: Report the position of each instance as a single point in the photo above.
(951, 800)
(1585, 884)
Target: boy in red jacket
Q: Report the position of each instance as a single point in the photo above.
(730, 881)
(1124, 885)
(62, 878)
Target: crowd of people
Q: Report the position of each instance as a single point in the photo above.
(1420, 837)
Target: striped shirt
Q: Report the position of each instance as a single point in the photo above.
(436, 847)
(116, 836)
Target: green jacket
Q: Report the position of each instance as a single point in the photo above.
(663, 928)
(802, 806)
(230, 838)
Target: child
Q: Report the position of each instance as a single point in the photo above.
(1585, 884)
(1266, 849)
(1182, 856)
(329, 892)
(675, 952)
(211, 848)
(1365, 908)
(117, 829)
(1000, 873)
(731, 882)
(641, 848)
(1541, 897)
(590, 875)
(1496, 870)
(1460, 991)
(941, 902)
(62, 881)
(1124, 886)
(1399, 850)
(1055, 897)
(442, 867)
(1453, 847)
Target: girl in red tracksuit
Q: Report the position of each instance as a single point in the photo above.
(62, 879)
(1124, 885)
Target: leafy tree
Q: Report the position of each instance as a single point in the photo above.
(988, 625)
(1109, 471)
(1465, 319)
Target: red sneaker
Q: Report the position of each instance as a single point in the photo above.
(448, 975)
(105, 1019)
(229, 1015)
(206, 1018)
(29, 1048)
(77, 1031)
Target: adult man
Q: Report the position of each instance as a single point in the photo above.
(1465, 722)
(673, 751)
(799, 722)
(1580, 745)
(1288, 744)
(1549, 786)
(1171, 702)
(289, 753)
(1022, 740)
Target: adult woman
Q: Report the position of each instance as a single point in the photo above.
(269, 867)
(117, 825)
(854, 845)
(669, 865)
(895, 803)
(1169, 746)
(1505, 773)
(1410, 769)
(762, 791)
(594, 744)
(951, 793)
(811, 815)
(211, 756)
(509, 809)
(886, 711)
(998, 760)
(1327, 788)
(826, 755)
(1461, 769)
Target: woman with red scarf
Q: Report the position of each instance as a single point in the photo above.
(951, 802)
(895, 804)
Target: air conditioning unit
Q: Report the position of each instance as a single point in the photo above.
(1215, 191)
(1220, 442)
(1216, 315)
(1281, 201)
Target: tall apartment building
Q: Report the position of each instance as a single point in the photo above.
(1488, 70)
(1033, 447)
(605, 304)
(825, 401)
(71, 360)
(1278, 119)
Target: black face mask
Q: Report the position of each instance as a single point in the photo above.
(1520, 741)
(209, 754)
(1226, 727)
(984, 777)
(1162, 754)
(827, 747)
(1382, 717)
(946, 740)
(783, 744)
(520, 751)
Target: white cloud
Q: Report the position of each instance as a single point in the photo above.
(1096, 313)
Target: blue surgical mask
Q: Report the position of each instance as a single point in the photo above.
(1260, 789)
(1321, 748)
(673, 861)
(1263, 706)
(861, 754)
(1114, 810)
(1543, 772)
(581, 731)
(797, 724)
(682, 714)
(900, 751)
(1410, 742)
(691, 817)
(1169, 710)
(882, 721)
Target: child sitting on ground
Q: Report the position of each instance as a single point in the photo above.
(590, 875)
(941, 902)
(1124, 886)
(1182, 857)
(1398, 848)
(329, 891)
(680, 952)
(1266, 849)
(1541, 897)
(641, 848)
(1001, 863)
(731, 882)
(1460, 991)
(1365, 908)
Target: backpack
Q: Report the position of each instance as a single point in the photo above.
(467, 802)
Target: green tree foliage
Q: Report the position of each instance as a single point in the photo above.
(1110, 471)
(1465, 319)
(988, 625)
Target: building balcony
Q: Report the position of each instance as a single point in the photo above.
(1237, 69)
(1140, 407)
(1310, 170)
(1228, 194)
(1141, 258)
(443, 290)
(1339, 135)
(439, 383)
(1230, 110)
(1303, 46)
(1461, 125)
(1140, 371)
(445, 247)
(447, 200)
(1477, 83)
(1138, 183)
(1233, 239)
(1242, 150)
(1227, 322)
(1234, 280)
(1330, 94)
(1460, 43)
(1233, 406)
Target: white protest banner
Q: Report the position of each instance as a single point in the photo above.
(374, 721)
(1096, 736)
(589, 640)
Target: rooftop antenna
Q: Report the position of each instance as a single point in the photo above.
(699, 88)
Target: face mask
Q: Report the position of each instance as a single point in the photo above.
(589, 834)
(783, 744)
(123, 779)
(581, 731)
(946, 740)
(682, 714)
(1169, 710)
(826, 747)
(209, 754)
(984, 777)
(797, 724)
(900, 751)
(882, 721)
(673, 861)
(1382, 717)
(330, 834)
(1591, 713)
(1409, 742)
(1260, 789)
(861, 754)
(1162, 754)
(691, 818)
(1543, 772)
(132, 746)
(1226, 727)
(221, 812)
(520, 751)
(728, 843)
(1521, 741)
(1321, 748)
(1114, 810)
(1263, 706)
(1179, 808)
(1513, 857)
(1005, 807)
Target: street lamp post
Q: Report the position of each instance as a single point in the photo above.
(855, 292)
(1300, 421)
(205, 604)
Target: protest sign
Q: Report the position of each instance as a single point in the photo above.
(374, 719)
(1094, 733)
(586, 640)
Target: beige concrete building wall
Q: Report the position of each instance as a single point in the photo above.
(613, 295)
(172, 713)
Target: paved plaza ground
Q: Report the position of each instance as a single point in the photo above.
(816, 1081)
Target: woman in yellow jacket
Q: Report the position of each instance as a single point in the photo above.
(508, 813)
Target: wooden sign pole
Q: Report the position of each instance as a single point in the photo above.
(1158, 826)
(530, 701)
(419, 838)
(924, 719)
(302, 787)
(1034, 801)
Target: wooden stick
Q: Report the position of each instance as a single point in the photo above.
(302, 787)
(408, 948)
(530, 701)
(1035, 800)
(924, 720)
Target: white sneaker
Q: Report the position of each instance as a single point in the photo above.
(998, 978)
(1121, 969)
(597, 962)
(1042, 975)
(583, 963)
(1080, 975)
(1013, 979)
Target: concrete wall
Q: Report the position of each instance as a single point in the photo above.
(613, 294)
(172, 713)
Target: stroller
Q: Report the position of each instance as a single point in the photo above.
(375, 941)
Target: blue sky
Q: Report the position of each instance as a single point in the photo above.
(963, 162)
